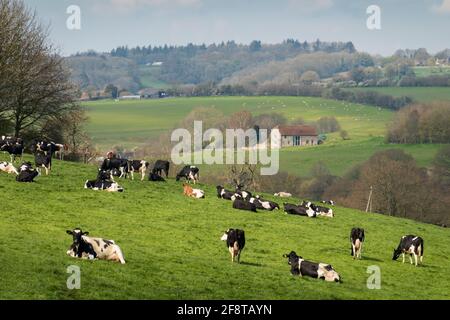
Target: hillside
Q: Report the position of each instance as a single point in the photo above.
(173, 250)
(133, 123)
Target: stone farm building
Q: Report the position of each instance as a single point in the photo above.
(298, 135)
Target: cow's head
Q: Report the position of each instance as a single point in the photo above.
(397, 253)
(331, 275)
(225, 235)
(77, 233)
(292, 258)
(104, 174)
(115, 188)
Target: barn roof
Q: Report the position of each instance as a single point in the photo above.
(298, 130)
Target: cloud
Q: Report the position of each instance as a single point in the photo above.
(311, 5)
(443, 8)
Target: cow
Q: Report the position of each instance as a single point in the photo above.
(322, 211)
(241, 204)
(246, 195)
(193, 193)
(51, 148)
(235, 240)
(86, 247)
(330, 202)
(137, 166)
(15, 149)
(189, 173)
(105, 175)
(411, 245)
(225, 194)
(26, 173)
(357, 238)
(106, 185)
(155, 177)
(264, 204)
(283, 194)
(160, 167)
(8, 168)
(43, 160)
(116, 164)
(299, 210)
(301, 267)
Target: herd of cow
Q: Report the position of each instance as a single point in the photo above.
(87, 247)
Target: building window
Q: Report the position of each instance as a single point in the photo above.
(296, 140)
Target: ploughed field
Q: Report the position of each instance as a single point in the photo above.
(173, 250)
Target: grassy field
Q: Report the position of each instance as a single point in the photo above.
(172, 247)
(132, 123)
(420, 94)
(431, 71)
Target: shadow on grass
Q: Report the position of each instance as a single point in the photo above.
(252, 264)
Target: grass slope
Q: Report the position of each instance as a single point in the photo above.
(420, 94)
(173, 250)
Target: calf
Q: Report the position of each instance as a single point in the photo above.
(225, 194)
(301, 267)
(282, 194)
(412, 245)
(155, 177)
(8, 168)
(189, 173)
(235, 240)
(160, 167)
(357, 239)
(85, 247)
(26, 173)
(138, 166)
(299, 210)
(241, 204)
(193, 193)
(43, 160)
(109, 186)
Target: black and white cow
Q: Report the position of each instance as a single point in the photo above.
(138, 166)
(116, 164)
(51, 148)
(106, 185)
(42, 160)
(357, 238)
(299, 210)
(225, 194)
(246, 195)
(267, 204)
(155, 177)
(244, 205)
(301, 267)
(235, 240)
(8, 168)
(85, 247)
(14, 148)
(411, 245)
(160, 167)
(322, 211)
(189, 173)
(105, 175)
(26, 173)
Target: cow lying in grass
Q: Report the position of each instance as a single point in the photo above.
(85, 247)
(241, 204)
(155, 177)
(283, 194)
(26, 173)
(193, 193)
(319, 210)
(104, 181)
(8, 168)
(301, 267)
(299, 210)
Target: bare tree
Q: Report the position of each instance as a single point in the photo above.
(242, 175)
(34, 82)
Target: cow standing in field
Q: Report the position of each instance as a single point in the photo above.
(14, 148)
(137, 166)
(85, 247)
(357, 238)
(160, 167)
(42, 160)
(8, 168)
(190, 173)
(51, 148)
(235, 240)
(301, 267)
(411, 245)
(115, 164)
